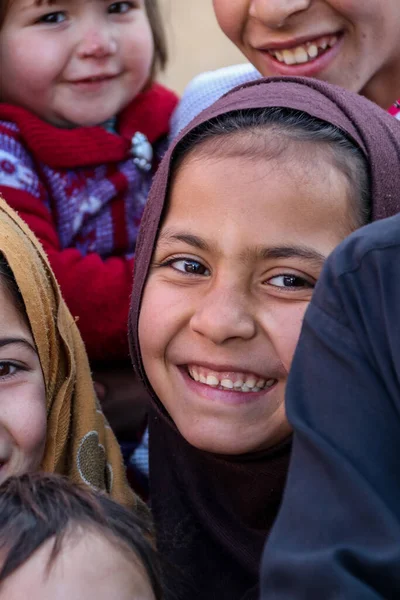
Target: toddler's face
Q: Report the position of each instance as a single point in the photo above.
(74, 62)
(234, 268)
(22, 394)
(352, 44)
(87, 567)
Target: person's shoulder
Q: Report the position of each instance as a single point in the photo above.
(207, 88)
(366, 243)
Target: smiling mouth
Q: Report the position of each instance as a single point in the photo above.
(95, 79)
(230, 381)
(304, 53)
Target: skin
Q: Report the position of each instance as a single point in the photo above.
(22, 394)
(49, 52)
(234, 268)
(107, 574)
(367, 57)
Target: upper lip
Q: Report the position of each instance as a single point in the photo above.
(294, 42)
(277, 369)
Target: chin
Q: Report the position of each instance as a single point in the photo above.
(220, 443)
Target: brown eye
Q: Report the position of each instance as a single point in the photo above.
(7, 369)
(290, 281)
(192, 267)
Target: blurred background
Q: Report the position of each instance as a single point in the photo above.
(196, 43)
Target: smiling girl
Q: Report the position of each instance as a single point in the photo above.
(355, 45)
(244, 210)
(49, 416)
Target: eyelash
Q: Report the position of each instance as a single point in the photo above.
(130, 6)
(171, 261)
(305, 283)
(48, 18)
(13, 365)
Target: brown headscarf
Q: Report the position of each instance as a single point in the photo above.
(213, 514)
(79, 443)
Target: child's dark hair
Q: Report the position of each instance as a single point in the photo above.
(35, 508)
(265, 132)
(156, 23)
(7, 279)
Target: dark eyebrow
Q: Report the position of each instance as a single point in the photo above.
(17, 342)
(168, 236)
(277, 252)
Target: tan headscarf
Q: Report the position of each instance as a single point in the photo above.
(80, 443)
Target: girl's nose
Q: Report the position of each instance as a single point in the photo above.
(222, 315)
(274, 13)
(97, 44)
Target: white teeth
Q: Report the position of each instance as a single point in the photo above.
(251, 384)
(194, 374)
(288, 57)
(211, 380)
(238, 383)
(312, 51)
(301, 55)
(227, 383)
(304, 53)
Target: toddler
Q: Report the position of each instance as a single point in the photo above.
(60, 541)
(355, 45)
(81, 128)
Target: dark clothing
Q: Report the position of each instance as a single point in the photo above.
(338, 532)
(215, 512)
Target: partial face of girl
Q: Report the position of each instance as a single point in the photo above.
(352, 44)
(74, 62)
(108, 574)
(240, 249)
(22, 393)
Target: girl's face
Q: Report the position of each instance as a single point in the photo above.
(352, 44)
(22, 394)
(74, 62)
(241, 247)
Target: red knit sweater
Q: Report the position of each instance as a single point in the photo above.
(83, 197)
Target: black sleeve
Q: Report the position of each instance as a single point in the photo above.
(338, 531)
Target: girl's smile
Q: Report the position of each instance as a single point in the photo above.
(352, 44)
(235, 264)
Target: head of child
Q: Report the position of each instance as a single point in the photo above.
(355, 45)
(257, 200)
(78, 63)
(22, 389)
(58, 540)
